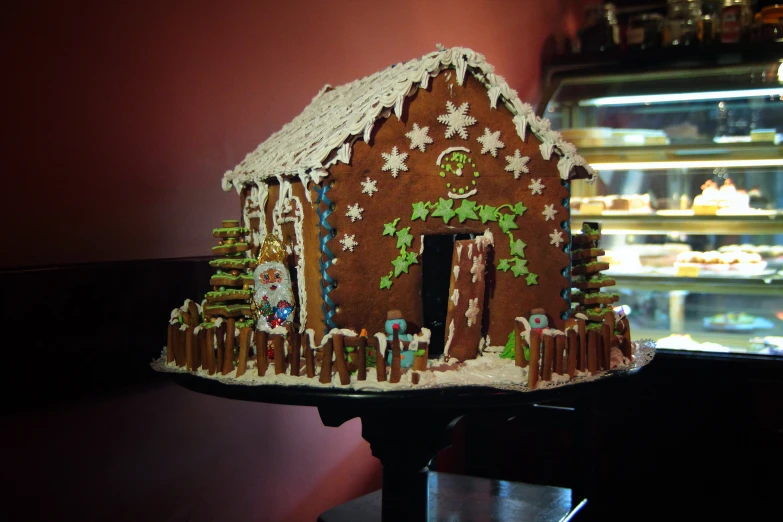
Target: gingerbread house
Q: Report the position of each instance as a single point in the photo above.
(428, 188)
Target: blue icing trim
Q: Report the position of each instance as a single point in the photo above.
(566, 225)
(327, 305)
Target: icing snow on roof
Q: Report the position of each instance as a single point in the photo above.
(324, 132)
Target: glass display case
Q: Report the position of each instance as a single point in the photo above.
(690, 190)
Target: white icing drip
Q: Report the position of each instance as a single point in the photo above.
(456, 270)
(450, 149)
(455, 296)
(485, 240)
(581, 316)
(459, 252)
(449, 338)
(338, 116)
(277, 330)
(470, 249)
(183, 328)
(422, 337)
(219, 322)
(526, 331)
(421, 244)
(197, 329)
(381, 344)
(186, 306)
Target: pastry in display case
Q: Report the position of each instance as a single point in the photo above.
(688, 151)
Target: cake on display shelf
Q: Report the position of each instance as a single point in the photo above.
(320, 282)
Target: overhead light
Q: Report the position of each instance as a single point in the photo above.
(646, 99)
(695, 164)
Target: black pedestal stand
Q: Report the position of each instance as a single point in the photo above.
(405, 430)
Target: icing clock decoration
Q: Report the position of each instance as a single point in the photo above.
(556, 238)
(462, 166)
(517, 164)
(456, 120)
(536, 187)
(490, 142)
(419, 137)
(395, 162)
(349, 242)
(549, 212)
(369, 186)
(354, 212)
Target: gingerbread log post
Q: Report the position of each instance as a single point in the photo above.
(221, 342)
(228, 347)
(279, 347)
(309, 359)
(261, 359)
(201, 344)
(582, 329)
(380, 363)
(395, 363)
(560, 345)
(606, 341)
(415, 378)
(573, 349)
(625, 343)
(210, 342)
(179, 346)
(535, 355)
(420, 361)
(190, 359)
(592, 357)
(295, 355)
(361, 372)
(519, 346)
(326, 364)
(194, 314)
(339, 359)
(244, 347)
(549, 356)
(170, 344)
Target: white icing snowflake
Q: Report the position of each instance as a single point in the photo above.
(536, 186)
(478, 267)
(369, 186)
(517, 164)
(549, 212)
(472, 312)
(354, 212)
(348, 242)
(419, 137)
(395, 162)
(490, 142)
(556, 237)
(456, 120)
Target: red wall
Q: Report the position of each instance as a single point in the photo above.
(121, 117)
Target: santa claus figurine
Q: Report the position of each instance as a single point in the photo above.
(273, 298)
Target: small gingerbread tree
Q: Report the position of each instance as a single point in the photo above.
(588, 280)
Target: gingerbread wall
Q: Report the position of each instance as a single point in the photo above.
(360, 300)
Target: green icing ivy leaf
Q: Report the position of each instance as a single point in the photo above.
(443, 209)
(389, 229)
(532, 279)
(519, 268)
(506, 223)
(519, 209)
(412, 258)
(487, 213)
(419, 211)
(467, 210)
(401, 265)
(518, 248)
(404, 239)
(386, 282)
(503, 265)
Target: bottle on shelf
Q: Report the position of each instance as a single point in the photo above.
(735, 21)
(682, 23)
(645, 31)
(600, 31)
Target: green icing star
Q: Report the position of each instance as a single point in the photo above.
(487, 213)
(386, 282)
(519, 268)
(532, 279)
(506, 223)
(419, 211)
(389, 229)
(404, 239)
(518, 248)
(401, 265)
(467, 210)
(503, 265)
(412, 258)
(443, 209)
(519, 209)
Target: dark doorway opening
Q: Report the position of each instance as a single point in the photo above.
(436, 278)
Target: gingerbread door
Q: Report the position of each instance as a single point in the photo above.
(466, 297)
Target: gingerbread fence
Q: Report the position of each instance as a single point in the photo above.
(212, 348)
(579, 348)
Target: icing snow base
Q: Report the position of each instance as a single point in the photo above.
(488, 370)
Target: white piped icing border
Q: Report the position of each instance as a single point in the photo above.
(325, 131)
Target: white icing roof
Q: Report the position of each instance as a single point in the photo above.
(324, 132)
